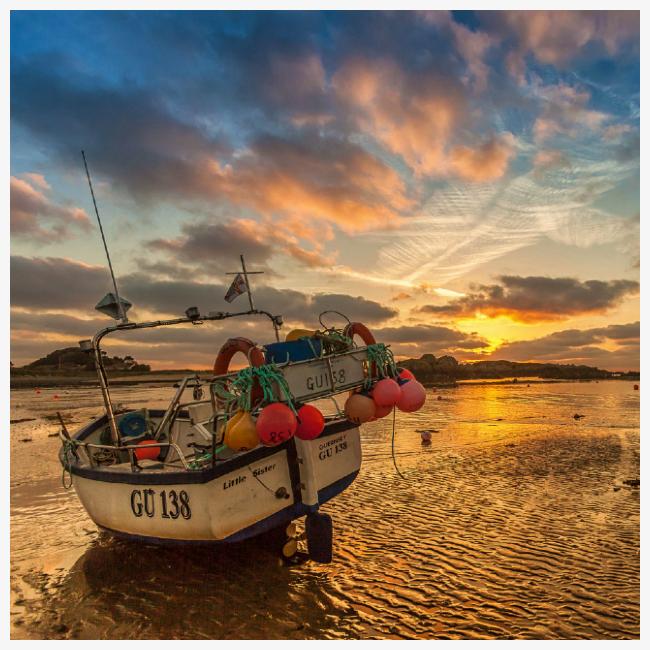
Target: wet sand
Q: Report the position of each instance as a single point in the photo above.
(516, 522)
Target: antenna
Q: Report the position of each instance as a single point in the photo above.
(120, 306)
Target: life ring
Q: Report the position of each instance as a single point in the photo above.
(228, 350)
(361, 331)
(255, 358)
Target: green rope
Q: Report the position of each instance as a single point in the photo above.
(241, 386)
(383, 360)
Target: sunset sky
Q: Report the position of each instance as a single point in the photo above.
(464, 183)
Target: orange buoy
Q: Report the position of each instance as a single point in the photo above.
(242, 435)
(636, 386)
(359, 408)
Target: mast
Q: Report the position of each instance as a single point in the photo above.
(120, 306)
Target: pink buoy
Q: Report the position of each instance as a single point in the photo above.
(310, 422)
(405, 373)
(275, 424)
(386, 392)
(412, 398)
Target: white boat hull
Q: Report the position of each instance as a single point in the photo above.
(238, 498)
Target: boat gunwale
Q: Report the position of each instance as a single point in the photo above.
(153, 477)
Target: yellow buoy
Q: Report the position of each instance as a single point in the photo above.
(294, 335)
(242, 435)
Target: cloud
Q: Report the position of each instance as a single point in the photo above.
(56, 283)
(127, 132)
(549, 160)
(557, 37)
(564, 112)
(487, 162)
(60, 285)
(150, 153)
(580, 346)
(535, 299)
(415, 340)
(35, 216)
(313, 178)
(53, 300)
(410, 114)
(472, 45)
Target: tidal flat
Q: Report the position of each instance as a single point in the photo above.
(517, 521)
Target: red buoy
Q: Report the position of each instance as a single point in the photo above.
(146, 451)
(275, 424)
(405, 373)
(310, 422)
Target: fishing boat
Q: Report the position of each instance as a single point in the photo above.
(240, 452)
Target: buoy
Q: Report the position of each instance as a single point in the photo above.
(232, 421)
(636, 386)
(242, 435)
(37, 391)
(386, 392)
(405, 373)
(56, 397)
(294, 335)
(359, 408)
(426, 436)
(383, 411)
(275, 424)
(146, 451)
(413, 396)
(310, 422)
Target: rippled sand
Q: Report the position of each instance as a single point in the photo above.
(514, 523)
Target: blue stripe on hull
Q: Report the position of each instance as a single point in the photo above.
(284, 516)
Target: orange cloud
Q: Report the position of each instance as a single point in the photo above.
(413, 116)
(417, 116)
(314, 180)
(535, 299)
(486, 162)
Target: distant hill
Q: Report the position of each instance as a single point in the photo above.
(69, 360)
(446, 369)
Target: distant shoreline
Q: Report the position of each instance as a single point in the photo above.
(169, 377)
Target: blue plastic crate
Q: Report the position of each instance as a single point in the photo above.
(300, 350)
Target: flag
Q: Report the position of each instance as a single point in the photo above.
(237, 287)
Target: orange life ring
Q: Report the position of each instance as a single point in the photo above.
(360, 330)
(228, 350)
(255, 358)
